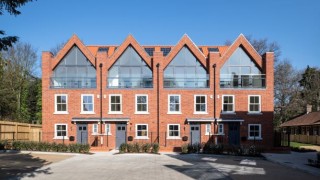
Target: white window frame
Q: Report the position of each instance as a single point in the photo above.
(174, 112)
(55, 104)
(142, 137)
(106, 127)
(234, 104)
(82, 110)
(136, 104)
(115, 112)
(168, 133)
(220, 131)
(93, 129)
(195, 103)
(55, 131)
(254, 112)
(208, 129)
(252, 137)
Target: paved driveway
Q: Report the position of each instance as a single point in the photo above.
(166, 166)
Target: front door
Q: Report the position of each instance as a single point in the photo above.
(195, 133)
(120, 135)
(234, 133)
(82, 133)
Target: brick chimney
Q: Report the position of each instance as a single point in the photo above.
(309, 108)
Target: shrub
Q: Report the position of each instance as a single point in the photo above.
(136, 147)
(123, 148)
(212, 148)
(146, 147)
(184, 148)
(194, 148)
(84, 148)
(3, 144)
(130, 148)
(155, 148)
(73, 148)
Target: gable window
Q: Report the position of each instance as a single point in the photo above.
(254, 104)
(173, 131)
(115, 104)
(95, 128)
(87, 104)
(174, 105)
(107, 129)
(141, 131)
(141, 104)
(240, 71)
(61, 104)
(254, 131)
(228, 104)
(208, 129)
(130, 71)
(60, 131)
(185, 71)
(200, 104)
(220, 129)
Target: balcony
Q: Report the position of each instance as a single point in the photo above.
(243, 81)
(186, 82)
(73, 83)
(114, 82)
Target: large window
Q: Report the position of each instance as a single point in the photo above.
(60, 131)
(240, 71)
(200, 104)
(74, 71)
(141, 131)
(254, 104)
(87, 104)
(185, 71)
(61, 104)
(130, 71)
(115, 104)
(228, 104)
(173, 131)
(174, 106)
(141, 104)
(254, 131)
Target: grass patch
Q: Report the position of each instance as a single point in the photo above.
(297, 144)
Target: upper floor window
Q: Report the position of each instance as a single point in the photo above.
(141, 104)
(200, 104)
(130, 71)
(61, 104)
(227, 103)
(254, 104)
(74, 71)
(87, 104)
(174, 106)
(240, 71)
(185, 71)
(115, 104)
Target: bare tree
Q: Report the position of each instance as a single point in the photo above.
(57, 48)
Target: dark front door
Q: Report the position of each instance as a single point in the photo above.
(82, 133)
(195, 133)
(234, 134)
(120, 134)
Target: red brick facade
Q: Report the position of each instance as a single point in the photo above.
(157, 121)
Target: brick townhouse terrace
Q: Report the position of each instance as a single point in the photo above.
(105, 95)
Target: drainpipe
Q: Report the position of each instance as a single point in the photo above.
(214, 101)
(158, 104)
(100, 65)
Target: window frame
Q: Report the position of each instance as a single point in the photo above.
(210, 129)
(255, 137)
(55, 104)
(56, 131)
(142, 137)
(174, 112)
(107, 126)
(136, 104)
(168, 132)
(195, 104)
(93, 129)
(254, 112)
(82, 110)
(233, 105)
(110, 110)
(221, 132)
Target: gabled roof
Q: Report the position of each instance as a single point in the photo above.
(185, 41)
(311, 118)
(241, 41)
(74, 40)
(130, 40)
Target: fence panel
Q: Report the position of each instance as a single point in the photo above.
(20, 131)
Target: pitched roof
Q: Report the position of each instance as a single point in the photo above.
(311, 118)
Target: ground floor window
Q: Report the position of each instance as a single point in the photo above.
(95, 129)
(220, 129)
(108, 129)
(142, 131)
(254, 131)
(173, 130)
(60, 131)
(208, 129)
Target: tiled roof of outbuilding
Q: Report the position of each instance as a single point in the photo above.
(312, 118)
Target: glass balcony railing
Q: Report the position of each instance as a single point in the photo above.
(186, 82)
(73, 82)
(115, 82)
(242, 81)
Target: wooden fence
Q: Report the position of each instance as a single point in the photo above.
(305, 139)
(20, 131)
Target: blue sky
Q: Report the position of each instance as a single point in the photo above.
(294, 24)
